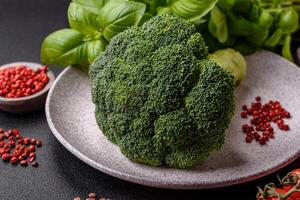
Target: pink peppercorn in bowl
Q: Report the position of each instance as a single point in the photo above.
(33, 95)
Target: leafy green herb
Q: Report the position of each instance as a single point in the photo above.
(274, 39)
(265, 19)
(217, 25)
(189, 10)
(242, 6)
(286, 50)
(240, 24)
(259, 37)
(257, 23)
(254, 13)
(116, 16)
(289, 21)
(65, 47)
(226, 5)
(92, 25)
(83, 20)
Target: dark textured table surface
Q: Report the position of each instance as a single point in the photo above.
(23, 25)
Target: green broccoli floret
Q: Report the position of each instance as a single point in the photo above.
(159, 97)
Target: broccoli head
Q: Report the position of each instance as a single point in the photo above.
(159, 97)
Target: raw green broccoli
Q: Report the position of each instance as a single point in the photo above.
(159, 97)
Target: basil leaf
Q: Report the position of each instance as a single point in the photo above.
(265, 19)
(164, 10)
(169, 2)
(240, 26)
(259, 37)
(91, 5)
(244, 47)
(226, 5)
(254, 13)
(214, 44)
(242, 6)
(152, 5)
(289, 21)
(94, 49)
(218, 25)
(65, 47)
(117, 15)
(192, 10)
(82, 20)
(274, 39)
(145, 18)
(286, 49)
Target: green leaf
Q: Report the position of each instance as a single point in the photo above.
(242, 6)
(164, 10)
(265, 19)
(274, 39)
(145, 18)
(254, 13)
(117, 15)
(240, 26)
(94, 49)
(289, 21)
(192, 10)
(152, 5)
(259, 37)
(286, 49)
(214, 44)
(91, 5)
(66, 47)
(244, 47)
(169, 2)
(82, 20)
(226, 5)
(218, 25)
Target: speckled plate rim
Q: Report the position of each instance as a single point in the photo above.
(149, 182)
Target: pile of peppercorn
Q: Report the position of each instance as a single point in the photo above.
(262, 117)
(15, 148)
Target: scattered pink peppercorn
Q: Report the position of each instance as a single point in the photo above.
(23, 163)
(17, 149)
(35, 164)
(261, 117)
(5, 157)
(14, 160)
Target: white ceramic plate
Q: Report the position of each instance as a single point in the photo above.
(70, 115)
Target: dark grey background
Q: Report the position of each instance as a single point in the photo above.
(23, 25)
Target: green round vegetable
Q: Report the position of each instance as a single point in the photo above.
(232, 61)
(159, 97)
(217, 25)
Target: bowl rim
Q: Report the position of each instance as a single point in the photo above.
(31, 65)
